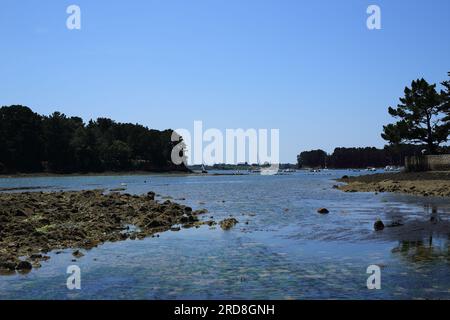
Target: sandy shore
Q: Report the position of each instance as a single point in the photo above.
(417, 183)
(34, 223)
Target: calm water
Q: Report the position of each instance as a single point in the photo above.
(286, 251)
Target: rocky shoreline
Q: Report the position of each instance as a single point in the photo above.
(35, 223)
(432, 183)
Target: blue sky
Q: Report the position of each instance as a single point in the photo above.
(309, 68)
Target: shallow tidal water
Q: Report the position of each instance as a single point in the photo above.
(281, 248)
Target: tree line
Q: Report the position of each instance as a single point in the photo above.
(358, 157)
(30, 143)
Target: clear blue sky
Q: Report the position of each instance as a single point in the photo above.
(310, 68)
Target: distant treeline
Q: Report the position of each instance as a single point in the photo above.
(30, 143)
(393, 155)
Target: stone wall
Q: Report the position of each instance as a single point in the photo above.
(428, 163)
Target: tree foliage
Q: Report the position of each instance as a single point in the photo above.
(423, 115)
(358, 157)
(312, 159)
(30, 142)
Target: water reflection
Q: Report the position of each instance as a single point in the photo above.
(425, 250)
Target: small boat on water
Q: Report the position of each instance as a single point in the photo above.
(203, 169)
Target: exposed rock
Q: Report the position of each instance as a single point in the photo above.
(33, 223)
(118, 189)
(8, 265)
(323, 211)
(77, 254)
(378, 225)
(228, 223)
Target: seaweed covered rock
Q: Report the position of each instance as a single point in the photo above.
(32, 223)
(227, 224)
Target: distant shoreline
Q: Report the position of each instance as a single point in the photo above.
(95, 174)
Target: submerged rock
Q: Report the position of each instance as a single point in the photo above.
(24, 265)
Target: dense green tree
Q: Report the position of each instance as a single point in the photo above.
(86, 151)
(20, 139)
(359, 157)
(445, 94)
(57, 143)
(58, 133)
(312, 159)
(423, 117)
(117, 156)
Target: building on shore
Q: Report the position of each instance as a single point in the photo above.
(428, 163)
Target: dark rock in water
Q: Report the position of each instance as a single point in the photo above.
(323, 211)
(175, 229)
(378, 225)
(77, 254)
(344, 177)
(151, 195)
(24, 265)
(227, 224)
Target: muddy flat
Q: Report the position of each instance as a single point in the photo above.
(418, 183)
